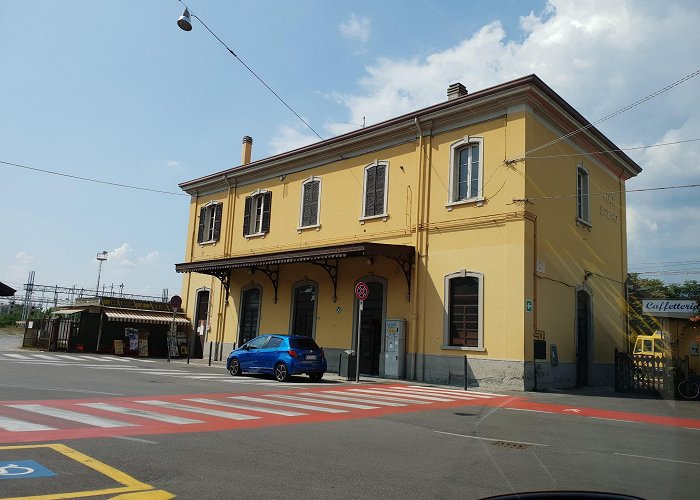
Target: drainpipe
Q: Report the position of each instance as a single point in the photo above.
(414, 306)
(424, 240)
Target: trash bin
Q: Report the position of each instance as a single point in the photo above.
(347, 364)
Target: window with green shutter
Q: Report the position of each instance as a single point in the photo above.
(375, 192)
(310, 202)
(209, 227)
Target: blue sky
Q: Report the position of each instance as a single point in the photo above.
(115, 91)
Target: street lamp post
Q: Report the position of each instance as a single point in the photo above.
(101, 257)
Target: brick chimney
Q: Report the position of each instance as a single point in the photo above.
(246, 149)
(456, 90)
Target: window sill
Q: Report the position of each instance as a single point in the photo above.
(459, 348)
(210, 242)
(256, 235)
(317, 227)
(384, 218)
(478, 201)
(581, 222)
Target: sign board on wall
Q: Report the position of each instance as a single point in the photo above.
(664, 308)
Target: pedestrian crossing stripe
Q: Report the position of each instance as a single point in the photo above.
(69, 419)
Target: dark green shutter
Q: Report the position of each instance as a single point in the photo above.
(202, 219)
(217, 221)
(246, 216)
(369, 191)
(379, 190)
(309, 214)
(267, 205)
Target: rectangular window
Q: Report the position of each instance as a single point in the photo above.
(256, 216)
(375, 193)
(463, 328)
(310, 202)
(465, 170)
(209, 223)
(582, 196)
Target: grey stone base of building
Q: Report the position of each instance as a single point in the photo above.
(219, 351)
(491, 373)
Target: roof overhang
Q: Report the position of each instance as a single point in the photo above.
(471, 108)
(326, 257)
(6, 291)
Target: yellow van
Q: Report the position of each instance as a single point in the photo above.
(651, 345)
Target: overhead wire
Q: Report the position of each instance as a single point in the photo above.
(252, 72)
(88, 179)
(616, 113)
(662, 188)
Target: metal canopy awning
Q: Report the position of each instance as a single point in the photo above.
(326, 257)
(136, 316)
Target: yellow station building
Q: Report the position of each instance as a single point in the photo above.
(490, 225)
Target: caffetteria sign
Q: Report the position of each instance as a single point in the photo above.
(670, 308)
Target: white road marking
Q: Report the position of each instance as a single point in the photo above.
(161, 417)
(247, 407)
(490, 439)
(478, 393)
(438, 393)
(12, 425)
(657, 458)
(387, 392)
(406, 399)
(344, 396)
(617, 420)
(138, 440)
(73, 416)
(451, 392)
(18, 356)
(44, 356)
(316, 400)
(291, 405)
(196, 409)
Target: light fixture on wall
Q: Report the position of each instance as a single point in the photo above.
(370, 261)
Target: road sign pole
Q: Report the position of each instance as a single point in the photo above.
(357, 341)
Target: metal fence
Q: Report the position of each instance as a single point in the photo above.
(644, 374)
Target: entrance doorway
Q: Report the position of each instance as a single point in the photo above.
(304, 309)
(371, 328)
(583, 336)
(250, 314)
(200, 324)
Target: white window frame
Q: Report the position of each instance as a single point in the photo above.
(210, 222)
(463, 273)
(583, 199)
(385, 215)
(316, 226)
(257, 194)
(453, 194)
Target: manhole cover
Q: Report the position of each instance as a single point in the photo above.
(507, 444)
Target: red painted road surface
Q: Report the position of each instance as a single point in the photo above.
(30, 421)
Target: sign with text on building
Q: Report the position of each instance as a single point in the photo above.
(665, 308)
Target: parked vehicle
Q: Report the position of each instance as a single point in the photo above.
(651, 345)
(279, 355)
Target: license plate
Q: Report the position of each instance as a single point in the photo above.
(311, 357)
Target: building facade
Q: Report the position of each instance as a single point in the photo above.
(491, 225)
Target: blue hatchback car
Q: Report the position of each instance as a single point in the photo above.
(279, 355)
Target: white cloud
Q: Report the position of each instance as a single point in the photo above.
(172, 163)
(356, 28)
(24, 258)
(149, 258)
(599, 56)
(288, 138)
(119, 252)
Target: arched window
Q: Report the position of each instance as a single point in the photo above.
(249, 318)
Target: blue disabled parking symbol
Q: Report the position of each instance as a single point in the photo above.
(19, 469)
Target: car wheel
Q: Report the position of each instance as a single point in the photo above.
(234, 367)
(281, 372)
(315, 377)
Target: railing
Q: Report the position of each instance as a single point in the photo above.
(644, 374)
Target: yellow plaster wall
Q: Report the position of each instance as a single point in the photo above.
(567, 248)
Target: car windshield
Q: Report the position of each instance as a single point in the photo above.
(303, 344)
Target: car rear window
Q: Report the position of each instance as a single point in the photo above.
(302, 344)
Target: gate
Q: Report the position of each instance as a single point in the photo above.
(60, 331)
(643, 374)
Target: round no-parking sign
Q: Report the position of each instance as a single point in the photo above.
(361, 291)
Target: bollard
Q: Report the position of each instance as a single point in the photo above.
(466, 373)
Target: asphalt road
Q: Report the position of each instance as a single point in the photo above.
(462, 448)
